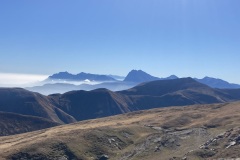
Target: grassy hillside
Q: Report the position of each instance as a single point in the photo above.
(192, 132)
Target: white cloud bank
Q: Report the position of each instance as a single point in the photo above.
(19, 80)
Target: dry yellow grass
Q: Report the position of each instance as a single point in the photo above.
(84, 138)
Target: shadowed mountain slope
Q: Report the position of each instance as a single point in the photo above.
(161, 87)
(11, 123)
(92, 104)
(162, 93)
(82, 105)
(233, 92)
(20, 101)
(179, 92)
(217, 83)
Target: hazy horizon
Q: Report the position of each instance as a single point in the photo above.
(30, 80)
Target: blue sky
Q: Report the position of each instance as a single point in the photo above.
(162, 37)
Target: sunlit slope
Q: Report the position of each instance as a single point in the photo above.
(170, 132)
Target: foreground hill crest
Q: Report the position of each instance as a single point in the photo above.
(190, 132)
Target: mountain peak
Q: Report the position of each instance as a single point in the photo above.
(139, 76)
(172, 77)
(207, 77)
(135, 70)
(61, 75)
(66, 72)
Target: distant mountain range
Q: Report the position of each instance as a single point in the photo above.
(50, 88)
(81, 105)
(139, 76)
(80, 77)
(136, 76)
(63, 82)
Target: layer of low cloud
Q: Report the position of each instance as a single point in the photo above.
(20, 80)
(87, 81)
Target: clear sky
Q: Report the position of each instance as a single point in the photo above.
(194, 38)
